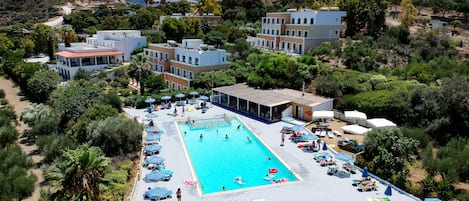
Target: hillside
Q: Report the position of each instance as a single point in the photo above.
(23, 11)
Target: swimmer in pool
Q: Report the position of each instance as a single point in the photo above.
(249, 139)
(201, 136)
(239, 180)
(226, 136)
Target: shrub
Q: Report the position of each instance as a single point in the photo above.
(2, 93)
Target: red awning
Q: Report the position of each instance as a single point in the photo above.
(68, 54)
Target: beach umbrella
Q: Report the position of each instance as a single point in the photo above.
(154, 176)
(365, 172)
(324, 147)
(194, 93)
(204, 98)
(150, 100)
(165, 98)
(154, 160)
(152, 148)
(180, 96)
(388, 190)
(153, 137)
(344, 157)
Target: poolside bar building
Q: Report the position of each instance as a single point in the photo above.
(270, 105)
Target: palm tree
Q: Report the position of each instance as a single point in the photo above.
(139, 68)
(78, 173)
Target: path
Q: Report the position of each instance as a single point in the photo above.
(11, 91)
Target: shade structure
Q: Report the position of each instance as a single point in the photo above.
(165, 98)
(150, 100)
(323, 114)
(204, 98)
(354, 116)
(180, 96)
(365, 172)
(380, 123)
(431, 199)
(344, 157)
(355, 129)
(388, 190)
(154, 160)
(155, 176)
(153, 137)
(194, 93)
(153, 148)
(157, 193)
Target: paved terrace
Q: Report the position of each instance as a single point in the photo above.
(314, 183)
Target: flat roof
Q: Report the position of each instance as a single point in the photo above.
(271, 97)
(68, 54)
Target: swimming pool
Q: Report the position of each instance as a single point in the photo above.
(218, 160)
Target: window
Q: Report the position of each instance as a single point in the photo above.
(299, 21)
(288, 45)
(294, 46)
(336, 32)
(293, 33)
(177, 57)
(268, 31)
(166, 57)
(167, 83)
(174, 86)
(172, 69)
(299, 33)
(190, 75)
(277, 33)
(161, 55)
(283, 20)
(311, 20)
(268, 20)
(305, 21)
(177, 71)
(283, 45)
(179, 87)
(190, 60)
(223, 59)
(277, 20)
(184, 59)
(288, 32)
(306, 34)
(146, 52)
(263, 20)
(196, 61)
(262, 43)
(263, 31)
(184, 73)
(293, 20)
(161, 68)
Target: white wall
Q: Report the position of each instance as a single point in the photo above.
(320, 17)
(206, 58)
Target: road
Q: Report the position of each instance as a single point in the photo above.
(57, 21)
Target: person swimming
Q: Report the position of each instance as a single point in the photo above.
(239, 180)
(226, 136)
(201, 136)
(249, 139)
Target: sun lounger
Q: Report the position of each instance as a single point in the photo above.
(349, 168)
(157, 193)
(330, 134)
(323, 133)
(327, 162)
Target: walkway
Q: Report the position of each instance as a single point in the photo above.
(12, 91)
(314, 184)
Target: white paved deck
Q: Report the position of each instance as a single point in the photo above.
(314, 185)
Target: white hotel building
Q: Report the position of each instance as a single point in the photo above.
(295, 32)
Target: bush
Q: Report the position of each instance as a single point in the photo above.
(123, 82)
(2, 93)
(417, 134)
(3, 101)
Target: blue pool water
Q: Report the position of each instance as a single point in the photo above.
(217, 160)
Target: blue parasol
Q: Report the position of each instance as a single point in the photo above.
(154, 176)
(154, 160)
(157, 193)
(324, 147)
(165, 98)
(194, 93)
(344, 157)
(204, 98)
(150, 100)
(153, 137)
(388, 190)
(153, 148)
(180, 96)
(365, 172)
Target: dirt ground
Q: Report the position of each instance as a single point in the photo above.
(11, 92)
(336, 125)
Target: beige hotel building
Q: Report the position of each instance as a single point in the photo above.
(295, 32)
(179, 63)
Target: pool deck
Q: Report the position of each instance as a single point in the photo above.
(314, 183)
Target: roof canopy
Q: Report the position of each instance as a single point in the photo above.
(271, 97)
(380, 123)
(354, 115)
(323, 114)
(355, 129)
(68, 54)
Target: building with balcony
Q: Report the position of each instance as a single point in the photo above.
(125, 41)
(295, 32)
(91, 59)
(179, 63)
